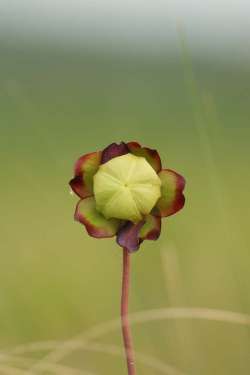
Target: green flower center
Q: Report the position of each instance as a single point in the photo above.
(126, 187)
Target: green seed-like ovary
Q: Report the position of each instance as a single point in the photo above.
(126, 187)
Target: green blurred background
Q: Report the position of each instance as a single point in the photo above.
(59, 101)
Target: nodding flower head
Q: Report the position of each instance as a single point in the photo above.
(125, 192)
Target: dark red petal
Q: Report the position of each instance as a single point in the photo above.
(128, 236)
(114, 150)
(150, 155)
(151, 229)
(85, 168)
(95, 223)
(172, 198)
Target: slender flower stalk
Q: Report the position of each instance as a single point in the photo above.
(124, 193)
(126, 331)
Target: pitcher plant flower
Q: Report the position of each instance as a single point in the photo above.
(125, 192)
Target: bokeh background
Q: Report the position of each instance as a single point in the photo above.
(74, 77)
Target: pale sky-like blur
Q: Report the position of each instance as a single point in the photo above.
(208, 24)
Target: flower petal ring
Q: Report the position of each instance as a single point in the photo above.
(124, 192)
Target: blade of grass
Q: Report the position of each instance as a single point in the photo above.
(62, 349)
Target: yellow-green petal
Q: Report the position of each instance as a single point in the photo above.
(126, 187)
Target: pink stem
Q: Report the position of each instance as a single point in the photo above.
(126, 332)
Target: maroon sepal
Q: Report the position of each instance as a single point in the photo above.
(175, 187)
(84, 170)
(114, 150)
(152, 228)
(78, 187)
(99, 228)
(150, 155)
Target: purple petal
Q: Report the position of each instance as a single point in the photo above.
(114, 150)
(128, 236)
